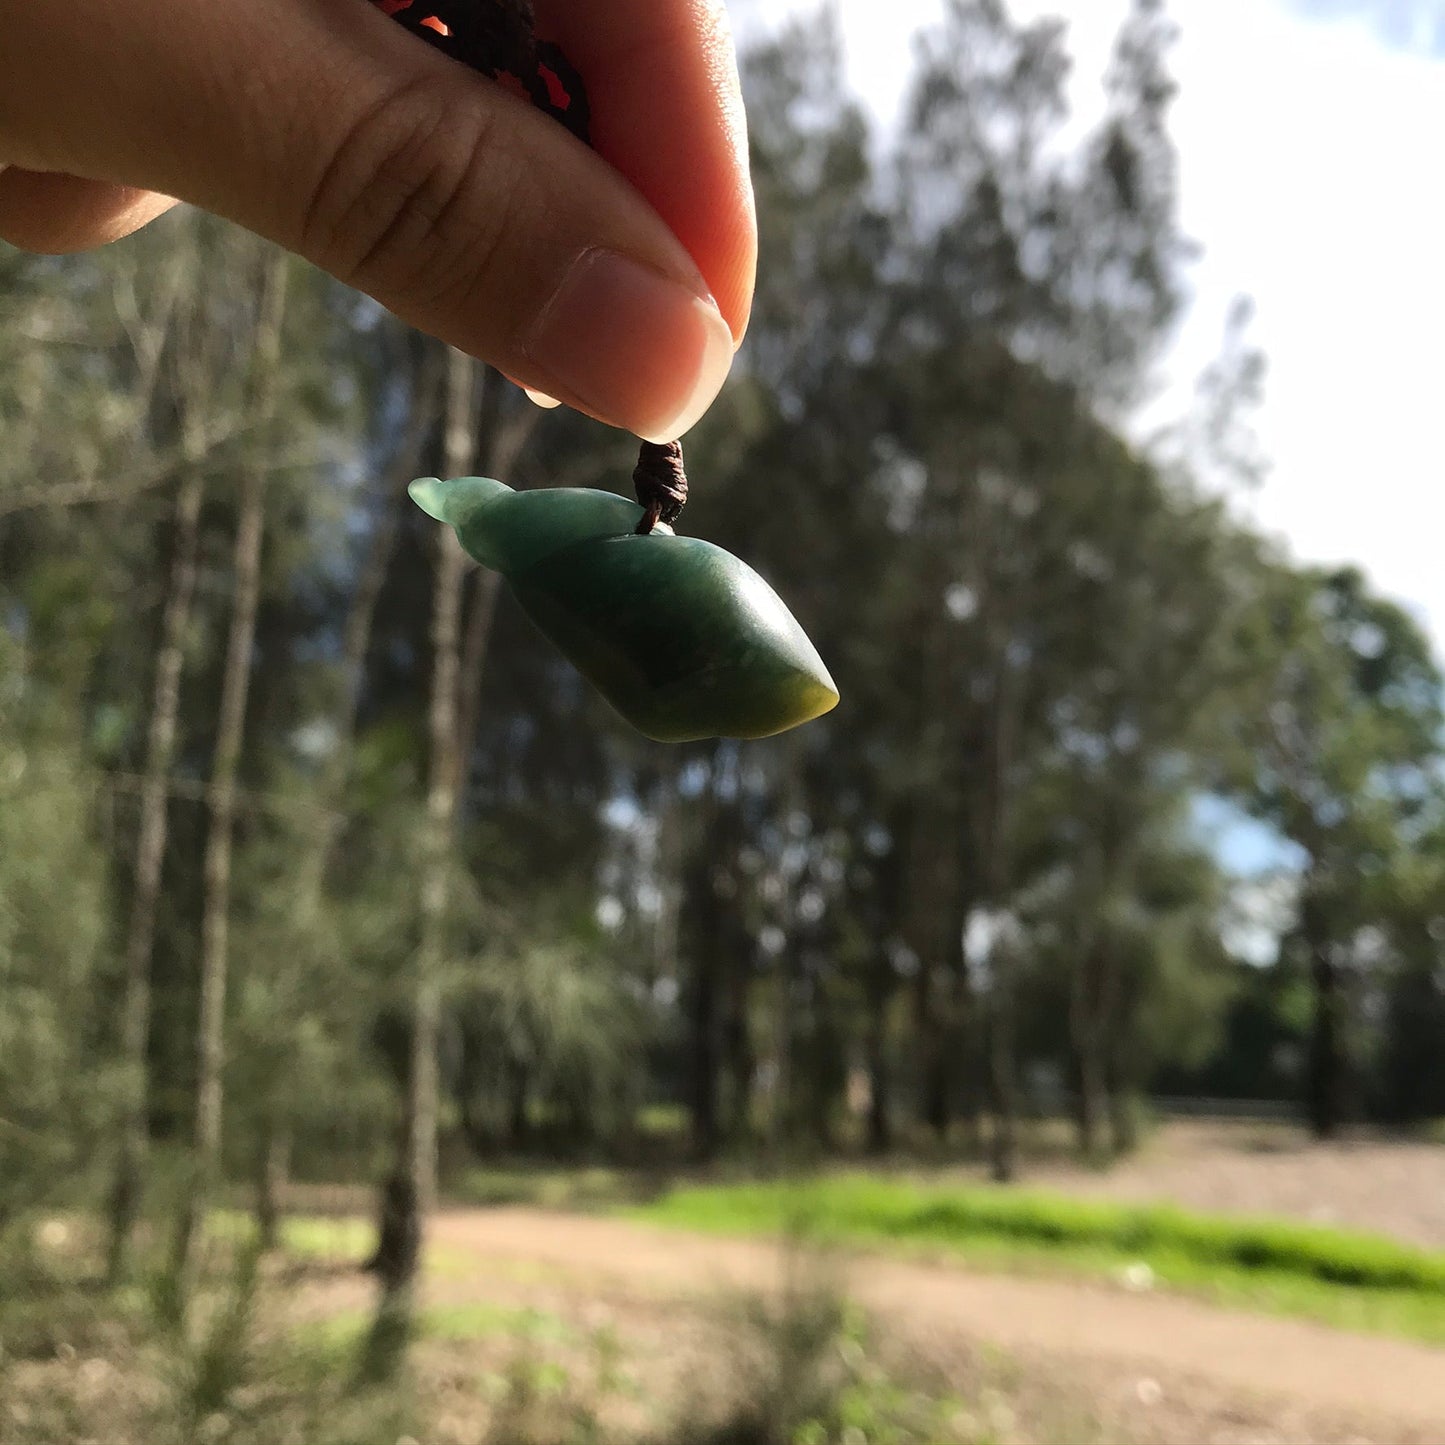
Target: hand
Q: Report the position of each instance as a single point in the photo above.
(617, 281)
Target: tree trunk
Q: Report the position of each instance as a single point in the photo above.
(784, 1125)
(964, 1036)
(927, 881)
(934, 1061)
(1123, 1117)
(1327, 1063)
(1093, 1104)
(150, 851)
(412, 1188)
(472, 668)
(889, 905)
(880, 1101)
(478, 1126)
(1089, 1057)
(496, 444)
(991, 829)
(519, 1132)
(230, 735)
(1325, 1081)
(500, 442)
(710, 915)
(273, 1159)
(734, 943)
(1003, 1087)
(738, 1045)
(704, 1051)
(355, 643)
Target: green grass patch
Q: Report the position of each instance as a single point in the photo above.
(335, 1238)
(576, 1189)
(480, 1321)
(340, 1238)
(339, 1337)
(330, 1239)
(663, 1121)
(1358, 1281)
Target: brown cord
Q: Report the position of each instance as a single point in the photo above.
(498, 37)
(661, 484)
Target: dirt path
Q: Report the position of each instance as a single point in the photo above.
(1394, 1187)
(1249, 1357)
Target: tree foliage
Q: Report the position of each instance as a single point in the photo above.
(976, 887)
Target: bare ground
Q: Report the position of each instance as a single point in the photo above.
(1390, 1187)
(1040, 1361)
(1139, 1367)
(1048, 1359)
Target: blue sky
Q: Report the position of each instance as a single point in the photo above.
(1413, 25)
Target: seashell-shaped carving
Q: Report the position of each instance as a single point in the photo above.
(682, 638)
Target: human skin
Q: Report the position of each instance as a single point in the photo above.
(617, 280)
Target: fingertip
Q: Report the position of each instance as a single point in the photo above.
(54, 215)
(667, 111)
(632, 346)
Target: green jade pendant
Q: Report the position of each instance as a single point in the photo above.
(681, 637)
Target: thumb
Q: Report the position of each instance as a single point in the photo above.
(323, 126)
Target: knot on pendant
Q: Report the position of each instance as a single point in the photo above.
(661, 484)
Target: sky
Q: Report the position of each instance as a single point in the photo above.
(1311, 136)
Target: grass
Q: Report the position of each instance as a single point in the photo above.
(329, 1239)
(339, 1336)
(798, 1370)
(546, 1188)
(342, 1239)
(1356, 1281)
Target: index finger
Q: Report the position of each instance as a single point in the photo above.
(667, 111)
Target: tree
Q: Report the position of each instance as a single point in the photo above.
(230, 736)
(134, 1126)
(1153, 677)
(1410, 1081)
(54, 915)
(1342, 744)
(292, 1024)
(195, 359)
(411, 1188)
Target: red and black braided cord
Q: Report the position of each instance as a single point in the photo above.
(496, 38)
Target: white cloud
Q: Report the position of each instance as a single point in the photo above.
(1258, 913)
(1310, 173)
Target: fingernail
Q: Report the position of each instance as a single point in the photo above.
(638, 349)
(540, 398)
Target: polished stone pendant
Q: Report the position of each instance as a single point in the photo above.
(681, 637)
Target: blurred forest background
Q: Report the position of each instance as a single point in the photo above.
(318, 865)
